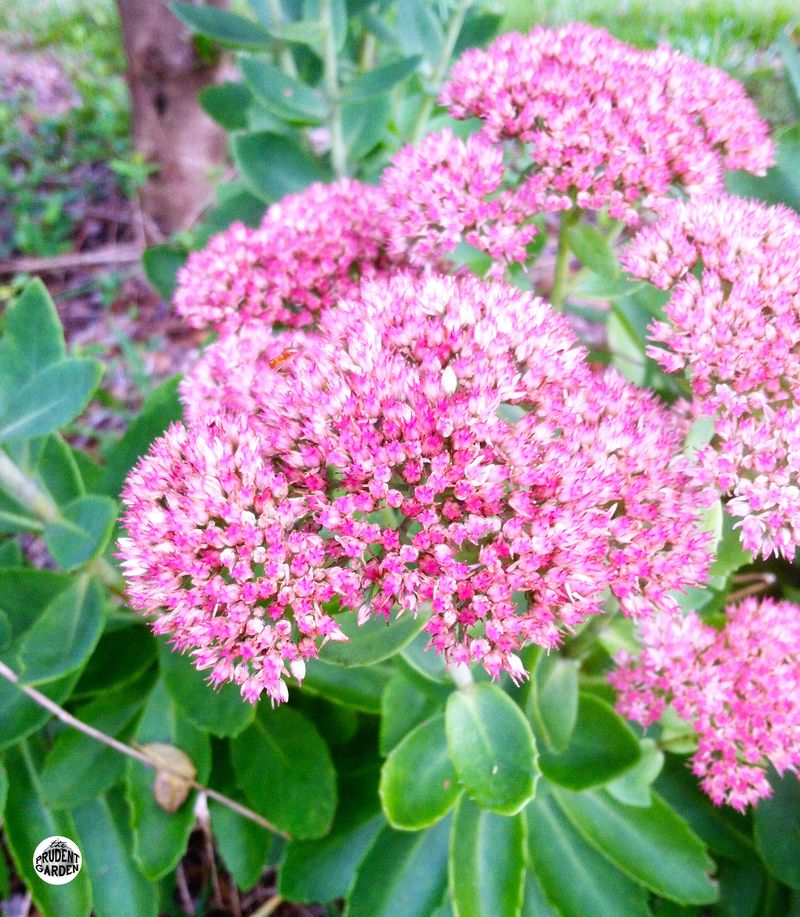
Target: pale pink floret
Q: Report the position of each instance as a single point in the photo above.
(416, 493)
(310, 248)
(733, 323)
(739, 688)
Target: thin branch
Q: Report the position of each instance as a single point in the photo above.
(330, 78)
(109, 254)
(268, 907)
(69, 720)
(439, 71)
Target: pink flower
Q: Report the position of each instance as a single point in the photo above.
(738, 687)
(310, 249)
(220, 546)
(606, 125)
(732, 321)
(446, 451)
(444, 191)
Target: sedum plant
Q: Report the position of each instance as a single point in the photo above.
(455, 573)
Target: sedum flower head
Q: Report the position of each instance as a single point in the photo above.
(605, 123)
(450, 454)
(739, 688)
(310, 249)
(733, 323)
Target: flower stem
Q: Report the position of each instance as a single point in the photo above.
(285, 54)
(462, 677)
(440, 69)
(330, 78)
(561, 270)
(139, 755)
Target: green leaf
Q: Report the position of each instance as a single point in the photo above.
(791, 62)
(403, 873)
(776, 823)
(602, 747)
(535, 902)
(418, 29)
(418, 781)
(28, 821)
(361, 688)
(55, 396)
(302, 32)
(10, 554)
(33, 338)
(285, 745)
(416, 660)
(487, 862)
(82, 532)
(25, 592)
(283, 96)
(161, 263)
(160, 838)
(3, 789)
(575, 878)
(273, 166)
(161, 408)
(221, 711)
(227, 104)
(381, 79)
(627, 349)
(228, 29)
(62, 639)
(730, 554)
(373, 641)
(781, 184)
(240, 206)
(323, 870)
(21, 715)
(478, 30)
(78, 768)
(119, 889)
(654, 846)
(492, 747)
(552, 703)
(244, 846)
(120, 657)
(725, 831)
(633, 787)
(57, 471)
(405, 706)
(365, 125)
(593, 250)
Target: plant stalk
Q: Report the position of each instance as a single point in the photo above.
(285, 54)
(330, 79)
(561, 270)
(131, 752)
(439, 70)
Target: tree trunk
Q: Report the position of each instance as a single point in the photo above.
(170, 129)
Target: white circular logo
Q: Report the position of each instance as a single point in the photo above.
(57, 860)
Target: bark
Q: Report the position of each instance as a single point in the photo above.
(169, 127)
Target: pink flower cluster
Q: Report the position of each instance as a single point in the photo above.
(733, 324)
(310, 249)
(738, 687)
(445, 191)
(570, 117)
(440, 448)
